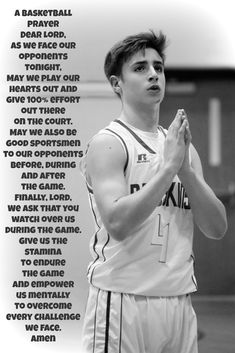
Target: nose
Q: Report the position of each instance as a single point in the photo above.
(153, 74)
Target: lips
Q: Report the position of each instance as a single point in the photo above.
(154, 88)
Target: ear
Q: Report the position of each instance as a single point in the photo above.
(115, 83)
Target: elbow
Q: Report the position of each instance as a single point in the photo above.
(116, 230)
(115, 233)
(218, 231)
(223, 229)
(120, 229)
(117, 225)
(223, 225)
(216, 225)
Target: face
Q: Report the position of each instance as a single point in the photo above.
(143, 78)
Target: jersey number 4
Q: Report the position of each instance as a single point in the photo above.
(161, 237)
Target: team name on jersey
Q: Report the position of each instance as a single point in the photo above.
(175, 196)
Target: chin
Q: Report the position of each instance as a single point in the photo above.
(156, 100)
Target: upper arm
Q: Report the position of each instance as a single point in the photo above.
(106, 159)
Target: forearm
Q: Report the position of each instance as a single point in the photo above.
(209, 212)
(129, 211)
(122, 211)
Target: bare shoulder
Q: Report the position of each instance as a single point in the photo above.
(105, 146)
(105, 155)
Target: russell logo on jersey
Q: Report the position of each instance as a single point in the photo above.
(142, 158)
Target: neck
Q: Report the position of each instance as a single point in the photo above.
(145, 119)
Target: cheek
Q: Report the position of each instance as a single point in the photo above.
(136, 83)
(132, 86)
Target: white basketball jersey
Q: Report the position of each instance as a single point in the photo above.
(157, 259)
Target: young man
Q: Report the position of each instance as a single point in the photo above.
(146, 187)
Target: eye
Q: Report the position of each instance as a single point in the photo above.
(139, 68)
(159, 68)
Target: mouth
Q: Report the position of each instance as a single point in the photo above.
(154, 88)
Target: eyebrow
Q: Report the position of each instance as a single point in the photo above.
(145, 62)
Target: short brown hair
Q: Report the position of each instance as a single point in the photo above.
(125, 49)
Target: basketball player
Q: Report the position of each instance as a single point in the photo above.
(146, 187)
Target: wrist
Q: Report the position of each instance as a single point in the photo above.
(186, 172)
(170, 170)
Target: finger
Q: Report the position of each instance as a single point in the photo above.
(188, 136)
(183, 128)
(183, 115)
(176, 123)
(187, 124)
(187, 128)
